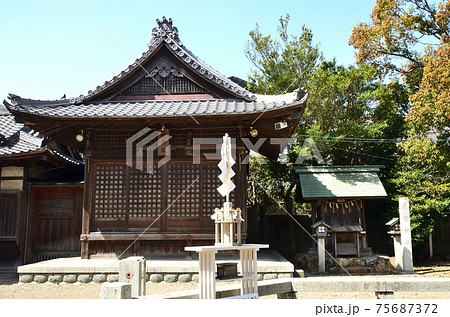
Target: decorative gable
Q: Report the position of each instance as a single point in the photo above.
(167, 67)
(164, 78)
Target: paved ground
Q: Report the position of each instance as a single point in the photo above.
(10, 288)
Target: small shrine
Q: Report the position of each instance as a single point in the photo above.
(337, 195)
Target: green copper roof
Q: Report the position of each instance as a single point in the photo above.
(340, 182)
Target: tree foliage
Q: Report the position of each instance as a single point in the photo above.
(417, 34)
(423, 175)
(352, 102)
(396, 33)
(399, 89)
(345, 102)
(283, 64)
(431, 103)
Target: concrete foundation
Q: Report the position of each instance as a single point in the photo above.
(169, 268)
(382, 287)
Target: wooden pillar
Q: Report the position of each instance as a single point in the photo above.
(249, 284)
(335, 244)
(164, 198)
(430, 244)
(207, 275)
(363, 225)
(358, 247)
(86, 213)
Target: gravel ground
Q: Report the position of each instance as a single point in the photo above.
(10, 288)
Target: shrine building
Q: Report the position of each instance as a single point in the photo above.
(150, 175)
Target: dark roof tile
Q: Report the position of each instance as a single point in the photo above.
(15, 138)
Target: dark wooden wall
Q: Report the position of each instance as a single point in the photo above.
(350, 212)
(176, 198)
(9, 215)
(285, 234)
(11, 228)
(441, 235)
(54, 222)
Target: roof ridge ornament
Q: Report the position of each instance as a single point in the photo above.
(164, 68)
(164, 31)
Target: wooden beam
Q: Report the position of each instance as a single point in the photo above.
(96, 236)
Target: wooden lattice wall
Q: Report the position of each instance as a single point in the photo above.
(158, 84)
(178, 197)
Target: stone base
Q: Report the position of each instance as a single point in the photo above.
(101, 278)
(362, 265)
(169, 269)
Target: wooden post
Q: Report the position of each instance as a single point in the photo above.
(86, 213)
(217, 235)
(358, 247)
(430, 244)
(239, 232)
(335, 244)
(207, 275)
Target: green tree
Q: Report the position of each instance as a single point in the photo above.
(424, 177)
(353, 103)
(393, 40)
(283, 64)
(411, 39)
(345, 102)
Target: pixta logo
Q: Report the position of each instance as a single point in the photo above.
(140, 148)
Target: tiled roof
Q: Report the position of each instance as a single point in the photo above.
(15, 138)
(168, 34)
(340, 182)
(154, 108)
(241, 102)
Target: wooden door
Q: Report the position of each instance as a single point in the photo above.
(55, 222)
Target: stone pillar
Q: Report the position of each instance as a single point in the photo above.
(398, 252)
(132, 270)
(321, 253)
(116, 290)
(405, 235)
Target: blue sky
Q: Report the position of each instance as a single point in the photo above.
(53, 47)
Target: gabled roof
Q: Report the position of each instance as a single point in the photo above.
(153, 108)
(393, 221)
(328, 182)
(166, 34)
(319, 223)
(102, 102)
(18, 140)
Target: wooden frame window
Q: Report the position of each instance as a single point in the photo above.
(56, 208)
